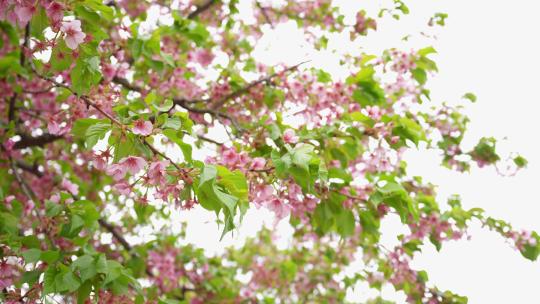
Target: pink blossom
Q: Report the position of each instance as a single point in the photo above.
(156, 172)
(53, 126)
(132, 164)
(230, 157)
(74, 35)
(55, 198)
(24, 14)
(28, 207)
(117, 171)
(55, 11)
(142, 127)
(258, 163)
(262, 195)
(9, 199)
(122, 188)
(289, 136)
(203, 57)
(108, 71)
(280, 209)
(69, 186)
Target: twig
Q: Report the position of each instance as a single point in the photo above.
(246, 88)
(116, 235)
(265, 14)
(201, 9)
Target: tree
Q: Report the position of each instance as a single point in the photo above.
(104, 118)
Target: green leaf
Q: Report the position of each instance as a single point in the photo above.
(186, 148)
(426, 51)
(85, 74)
(470, 96)
(50, 256)
(105, 11)
(96, 132)
(301, 155)
(49, 278)
(31, 277)
(67, 281)
(31, 255)
(407, 128)
(172, 123)
(520, 161)
(81, 125)
(39, 22)
(235, 182)
(84, 292)
(369, 91)
(345, 223)
(419, 75)
(323, 76)
(52, 209)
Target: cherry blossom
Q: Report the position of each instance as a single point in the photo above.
(73, 33)
(142, 127)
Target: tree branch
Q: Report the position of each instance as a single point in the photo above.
(29, 141)
(201, 9)
(112, 229)
(265, 14)
(251, 85)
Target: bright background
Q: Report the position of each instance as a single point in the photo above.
(490, 48)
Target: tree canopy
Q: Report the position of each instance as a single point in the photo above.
(108, 122)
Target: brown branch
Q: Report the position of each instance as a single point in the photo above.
(112, 229)
(204, 138)
(29, 141)
(251, 85)
(29, 168)
(201, 9)
(265, 14)
(125, 83)
(11, 110)
(183, 103)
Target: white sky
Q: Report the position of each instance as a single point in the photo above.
(490, 48)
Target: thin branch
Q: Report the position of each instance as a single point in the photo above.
(29, 168)
(183, 103)
(201, 9)
(265, 14)
(24, 187)
(112, 229)
(204, 138)
(253, 84)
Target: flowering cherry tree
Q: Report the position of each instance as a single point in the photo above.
(104, 118)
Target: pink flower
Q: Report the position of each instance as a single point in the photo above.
(132, 164)
(24, 14)
(204, 57)
(55, 198)
(55, 11)
(262, 195)
(53, 126)
(122, 188)
(230, 157)
(117, 171)
(142, 127)
(280, 209)
(374, 112)
(258, 163)
(289, 136)
(156, 172)
(70, 187)
(74, 35)
(108, 71)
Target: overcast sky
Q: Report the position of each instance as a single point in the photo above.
(490, 48)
